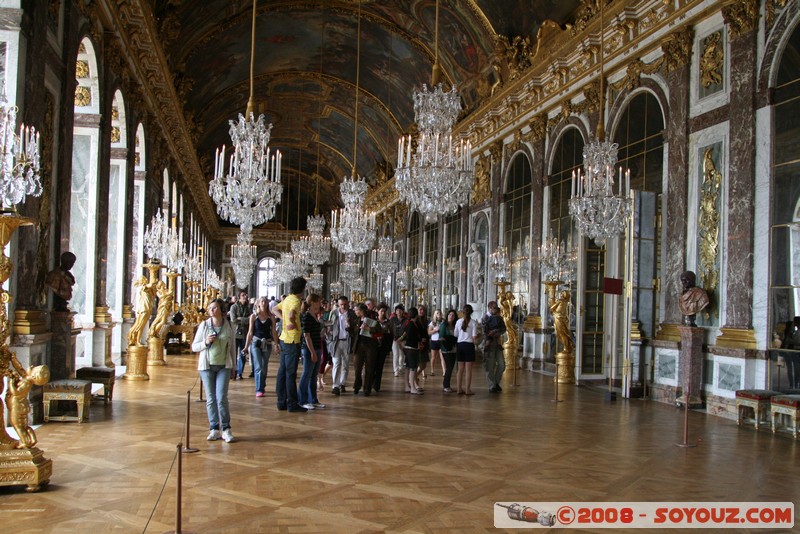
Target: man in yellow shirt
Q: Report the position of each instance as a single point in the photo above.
(288, 311)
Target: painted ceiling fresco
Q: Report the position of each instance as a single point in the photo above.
(305, 72)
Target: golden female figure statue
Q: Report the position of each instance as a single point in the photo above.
(166, 298)
(144, 308)
(505, 299)
(560, 310)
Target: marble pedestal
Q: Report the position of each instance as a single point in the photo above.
(691, 366)
(62, 346)
(101, 345)
(32, 350)
(127, 323)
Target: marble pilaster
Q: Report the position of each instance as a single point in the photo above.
(675, 215)
(538, 183)
(738, 260)
(101, 339)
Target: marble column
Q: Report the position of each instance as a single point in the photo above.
(691, 366)
(741, 18)
(677, 52)
(538, 183)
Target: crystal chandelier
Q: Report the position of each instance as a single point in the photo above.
(383, 262)
(315, 279)
(401, 277)
(290, 266)
(434, 177)
(349, 270)
(244, 259)
(194, 269)
(336, 289)
(352, 228)
(419, 276)
(315, 248)
(358, 285)
(174, 251)
(213, 280)
(599, 213)
(556, 260)
(19, 158)
(500, 265)
(248, 194)
(155, 237)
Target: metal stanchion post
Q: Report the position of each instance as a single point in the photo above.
(201, 399)
(555, 395)
(686, 443)
(188, 447)
(178, 496)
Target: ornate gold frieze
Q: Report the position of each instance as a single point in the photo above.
(481, 187)
(82, 68)
(708, 224)
(741, 16)
(538, 127)
(712, 60)
(496, 151)
(83, 96)
(677, 48)
(518, 53)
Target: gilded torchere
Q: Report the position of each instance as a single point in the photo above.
(20, 461)
(158, 328)
(505, 300)
(559, 308)
(137, 352)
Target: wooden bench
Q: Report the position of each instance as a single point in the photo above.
(79, 391)
(756, 399)
(99, 375)
(785, 405)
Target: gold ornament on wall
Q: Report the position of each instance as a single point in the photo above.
(708, 225)
(711, 62)
(400, 211)
(741, 16)
(115, 134)
(82, 69)
(83, 96)
(481, 188)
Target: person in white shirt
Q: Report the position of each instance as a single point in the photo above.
(466, 332)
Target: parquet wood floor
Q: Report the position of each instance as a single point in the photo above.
(388, 463)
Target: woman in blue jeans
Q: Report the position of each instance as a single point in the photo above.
(311, 349)
(262, 339)
(215, 343)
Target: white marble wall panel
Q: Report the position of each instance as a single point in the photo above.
(666, 367)
(761, 239)
(700, 104)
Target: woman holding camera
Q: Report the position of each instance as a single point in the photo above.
(262, 339)
(215, 343)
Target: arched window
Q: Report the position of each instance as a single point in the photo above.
(517, 215)
(639, 134)
(83, 182)
(117, 207)
(784, 282)
(452, 262)
(267, 287)
(137, 211)
(413, 242)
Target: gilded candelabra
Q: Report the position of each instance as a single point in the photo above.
(158, 329)
(20, 461)
(559, 308)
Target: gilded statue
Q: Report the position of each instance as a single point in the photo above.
(144, 308)
(559, 308)
(166, 299)
(693, 299)
(60, 280)
(481, 189)
(506, 302)
(208, 295)
(19, 407)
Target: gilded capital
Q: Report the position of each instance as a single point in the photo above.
(496, 151)
(741, 16)
(538, 127)
(677, 48)
(481, 187)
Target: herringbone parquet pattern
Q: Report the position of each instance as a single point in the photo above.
(388, 463)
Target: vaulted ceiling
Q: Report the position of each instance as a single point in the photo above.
(305, 75)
